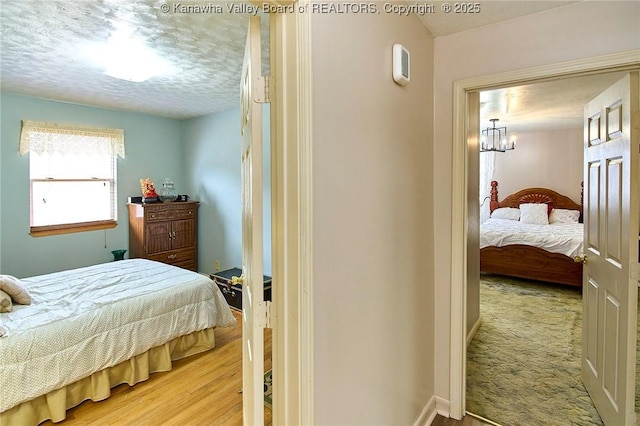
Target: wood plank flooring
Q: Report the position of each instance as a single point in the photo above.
(200, 390)
(203, 389)
(467, 420)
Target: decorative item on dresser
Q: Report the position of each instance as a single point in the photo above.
(166, 232)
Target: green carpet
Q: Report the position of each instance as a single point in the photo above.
(523, 365)
(268, 388)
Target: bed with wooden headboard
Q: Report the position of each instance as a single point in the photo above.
(512, 245)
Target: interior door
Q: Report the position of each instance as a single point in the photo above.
(253, 311)
(611, 247)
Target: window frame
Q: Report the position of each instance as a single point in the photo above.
(114, 136)
(72, 227)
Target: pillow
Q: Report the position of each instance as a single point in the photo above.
(16, 289)
(538, 199)
(5, 303)
(564, 216)
(2, 331)
(506, 213)
(535, 214)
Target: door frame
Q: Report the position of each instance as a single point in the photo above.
(622, 61)
(292, 207)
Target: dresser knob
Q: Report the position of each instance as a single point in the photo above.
(172, 256)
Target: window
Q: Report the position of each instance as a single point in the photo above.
(72, 174)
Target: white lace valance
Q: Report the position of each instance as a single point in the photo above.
(69, 139)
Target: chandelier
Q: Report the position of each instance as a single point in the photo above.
(495, 139)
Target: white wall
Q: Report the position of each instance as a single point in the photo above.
(373, 246)
(548, 159)
(579, 30)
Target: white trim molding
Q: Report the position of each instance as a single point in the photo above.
(442, 406)
(292, 241)
(428, 413)
(473, 330)
(305, 219)
(621, 61)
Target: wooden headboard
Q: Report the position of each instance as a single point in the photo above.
(535, 195)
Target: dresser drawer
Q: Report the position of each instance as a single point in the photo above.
(165, 232)
(185, 212)
(170, 212)
(174, 257)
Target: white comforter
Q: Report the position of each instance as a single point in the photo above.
(84, 320)
(563, 238)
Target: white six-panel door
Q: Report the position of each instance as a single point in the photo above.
(253, 306)
(611, 248)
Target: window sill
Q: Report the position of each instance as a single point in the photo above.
(69, 228)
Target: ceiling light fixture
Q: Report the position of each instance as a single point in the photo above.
(125, 72)
(495, 139)
(126, 57)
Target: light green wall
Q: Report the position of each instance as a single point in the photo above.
(201, 155)
(153, 149)
(212, 152)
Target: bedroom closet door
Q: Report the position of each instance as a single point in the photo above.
(253, 305)
(611, 225)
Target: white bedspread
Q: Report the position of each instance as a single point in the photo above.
(84, 320)
(563, 238)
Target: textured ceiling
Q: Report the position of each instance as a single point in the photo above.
(555, 104)
(48, 50)
(489, 12)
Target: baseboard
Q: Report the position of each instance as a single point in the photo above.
(473, 330)
(436, 405)
(428, 413)
(442, 406)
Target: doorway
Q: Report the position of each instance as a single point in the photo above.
(546, 121)
(464, 91)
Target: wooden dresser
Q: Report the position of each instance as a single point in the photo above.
(166, 232)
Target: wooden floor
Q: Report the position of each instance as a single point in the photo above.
(467, 420)
(203, 389)
(200, 390)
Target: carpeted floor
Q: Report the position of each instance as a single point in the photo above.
(268, 388)
(523, 365)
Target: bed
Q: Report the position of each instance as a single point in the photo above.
(90, 329)
(537, 251)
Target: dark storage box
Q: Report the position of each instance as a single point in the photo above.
(233, 293)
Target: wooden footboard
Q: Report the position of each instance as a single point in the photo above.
(532, 263)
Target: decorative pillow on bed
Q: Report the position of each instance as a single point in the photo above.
(535, 214)
(506, 213)
(564, 216)
(16, 289)
(5, 303)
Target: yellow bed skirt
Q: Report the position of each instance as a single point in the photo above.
(96, 387)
